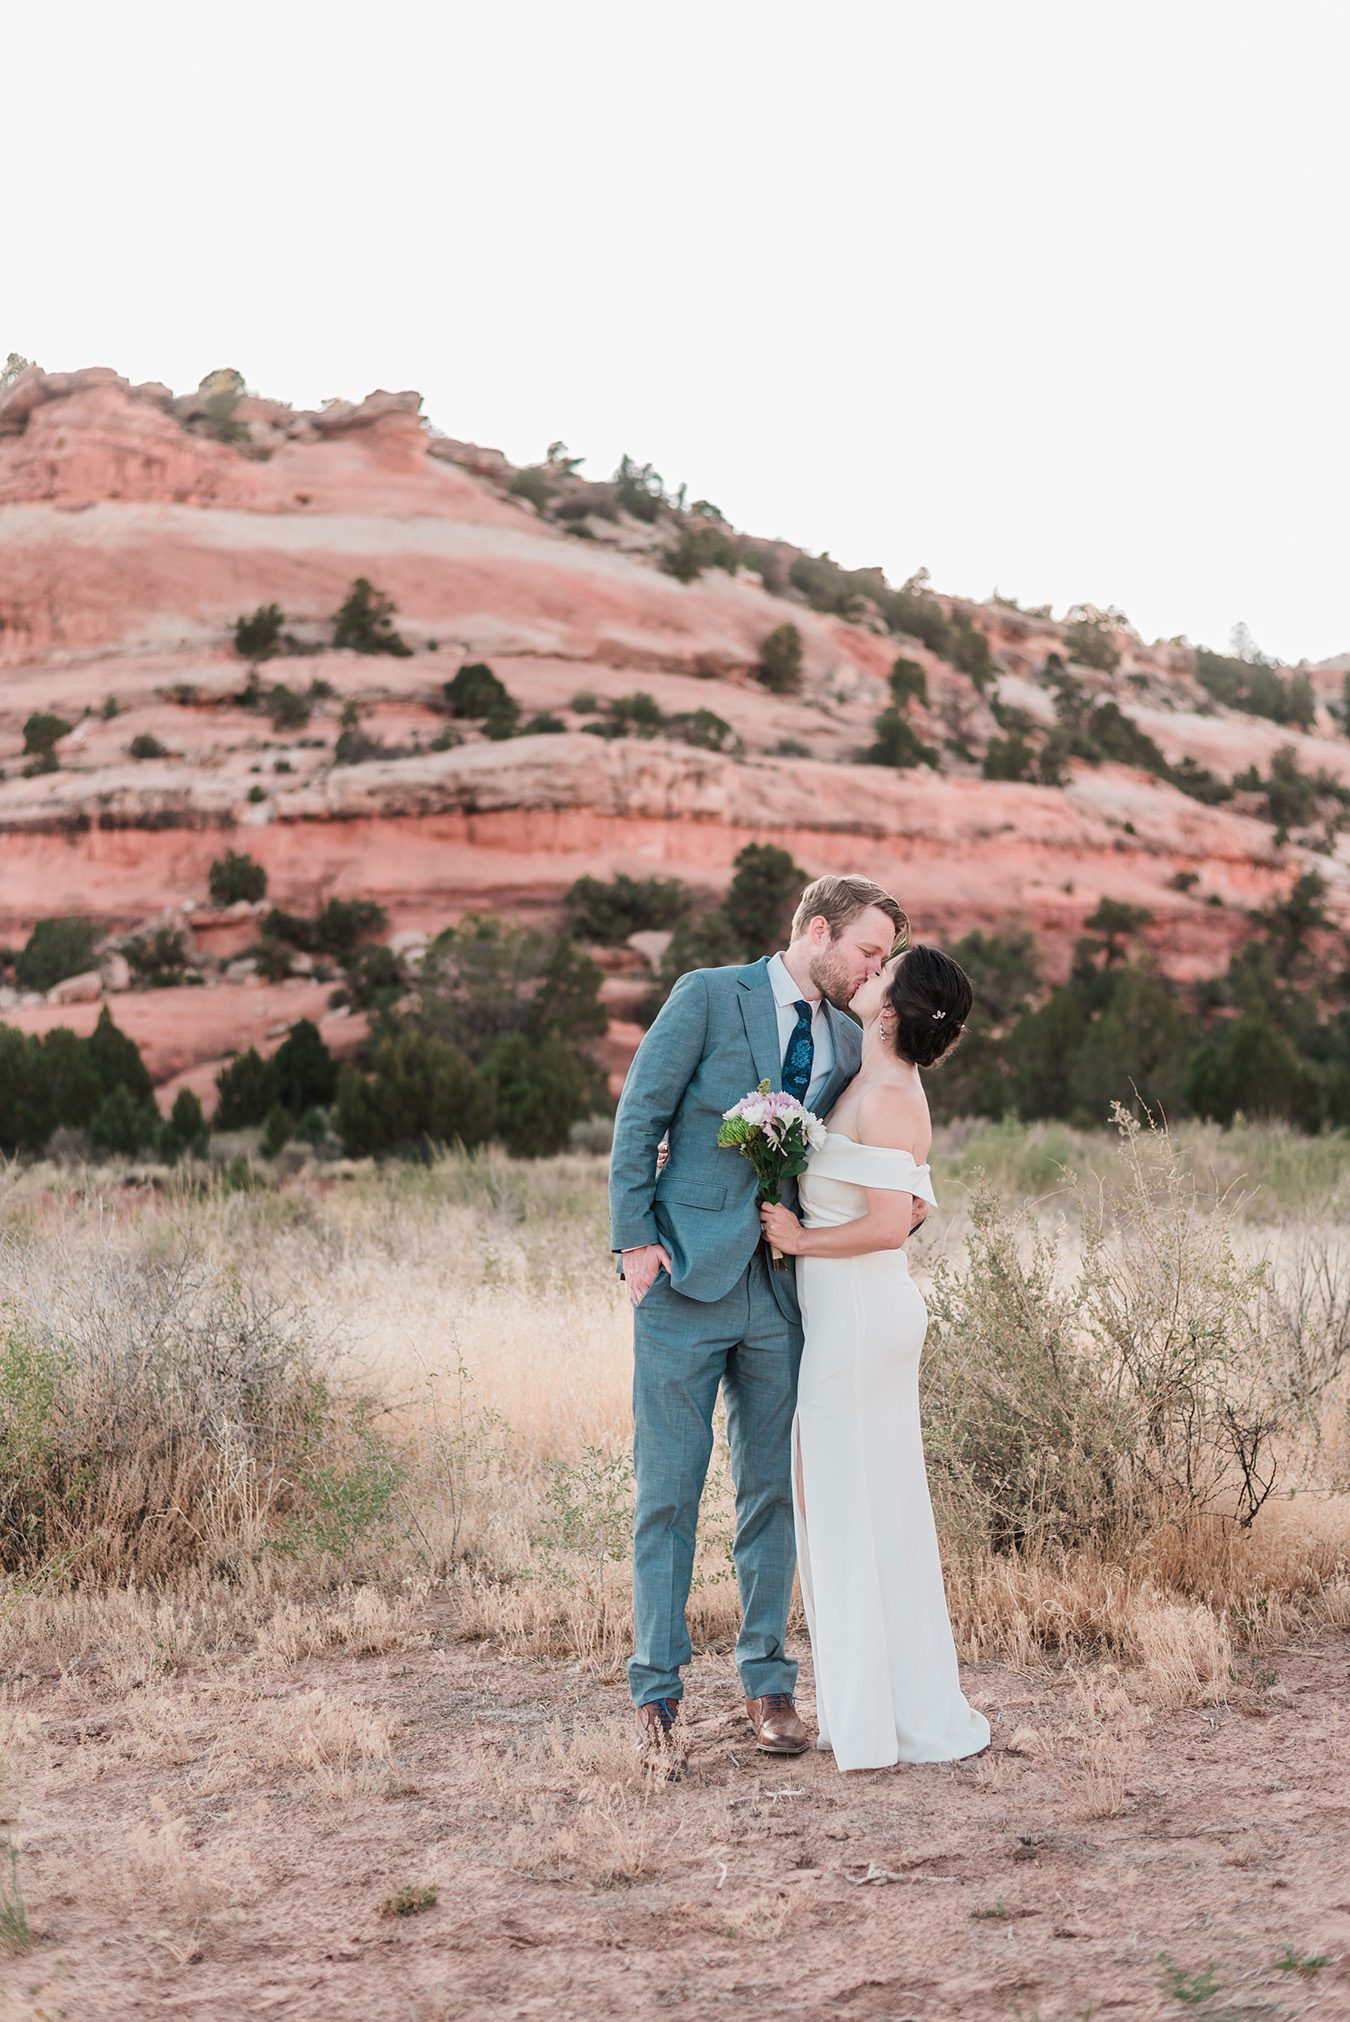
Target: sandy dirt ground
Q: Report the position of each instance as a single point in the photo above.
(219, 1843)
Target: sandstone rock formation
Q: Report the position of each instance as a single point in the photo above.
(131, 540)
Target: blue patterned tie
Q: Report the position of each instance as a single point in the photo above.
(801, 1052)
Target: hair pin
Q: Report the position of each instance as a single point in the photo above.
(939, 1014)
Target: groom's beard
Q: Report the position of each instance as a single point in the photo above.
(833, 979)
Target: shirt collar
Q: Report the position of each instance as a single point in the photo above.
(785, 991)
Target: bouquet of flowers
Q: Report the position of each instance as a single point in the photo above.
(777, 1135)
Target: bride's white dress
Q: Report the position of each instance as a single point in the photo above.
(886, 1681)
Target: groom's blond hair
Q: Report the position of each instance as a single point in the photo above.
(840, 900)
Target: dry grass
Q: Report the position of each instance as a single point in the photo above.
(451, 1416)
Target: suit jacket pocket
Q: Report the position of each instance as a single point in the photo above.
(688, 1195)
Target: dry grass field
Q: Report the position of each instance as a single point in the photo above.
(314, 1502)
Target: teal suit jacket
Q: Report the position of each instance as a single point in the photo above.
(715, 1038)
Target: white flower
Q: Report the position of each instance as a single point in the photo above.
(816, 1132)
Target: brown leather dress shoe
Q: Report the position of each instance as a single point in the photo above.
(777, 1724)
(660, 1744)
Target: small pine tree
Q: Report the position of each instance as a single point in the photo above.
(188, 1123)
(42, 732)
(762, 897)
(304, 1073)
(542, 1088)
(908, 683)
(421, 1091)
(475, 692)
(116, 1059)
(258, 637)
(123, 1125)
(365, 623)
(896, 742)
(780, 660)
(277, 1131)
(55, 949)
(245, 1091)
(236, 876)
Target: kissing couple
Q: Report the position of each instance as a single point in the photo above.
(819, 1366)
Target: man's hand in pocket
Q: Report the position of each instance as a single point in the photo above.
(640, 1267)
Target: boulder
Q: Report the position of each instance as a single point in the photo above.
(84, 989)
(651, 943)
(116, 971)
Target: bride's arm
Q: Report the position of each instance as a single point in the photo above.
(885, 1226)
(889, 1118)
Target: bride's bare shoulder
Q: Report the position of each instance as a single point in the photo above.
(896, 1118)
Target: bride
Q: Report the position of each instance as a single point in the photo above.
(886, 1680)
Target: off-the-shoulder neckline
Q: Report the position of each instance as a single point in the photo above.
(892, 1150)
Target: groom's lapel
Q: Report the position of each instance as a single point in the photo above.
(761, 1023)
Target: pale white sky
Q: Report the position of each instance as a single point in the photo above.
(1049, 297)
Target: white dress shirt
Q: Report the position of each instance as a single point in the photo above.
(787, 996)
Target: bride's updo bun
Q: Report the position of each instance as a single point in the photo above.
(931, 998)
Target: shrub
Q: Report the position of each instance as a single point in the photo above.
(541, 1088)
(780, 660)
(502, 721)
(896, 742)
(143, 745)
(245, 1091)
(1108, 1409)
(542, 725)
(42, 732)
(1257, 688)
(1291, 793)
(303, 1071)
(421, 1091)
(288, 709)
(223, 389)
(609, 910)
(375, 978)
(639, 490)
(258, 637)
(1252, 1068)
(236, 876)
(55, 949)
(342, 923)
(534, 483)
(914, 612)
(487, 978)
(702, 728)
(152, 1414)
(475, 692)
(116, 1059)
(766, 884)
(1117, 736)
(356, 747)
(697, 549)
(123, 1125)
(908, 683)
(707, 942)
(1089, 637)
(365, 622)
(1008, 758)
(158, 960)
(278, 1129)
(1200, 783)
(184, 1129)
(969, 651)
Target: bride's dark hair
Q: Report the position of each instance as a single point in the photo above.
(931, 998)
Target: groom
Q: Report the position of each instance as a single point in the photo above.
(708, 1309)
